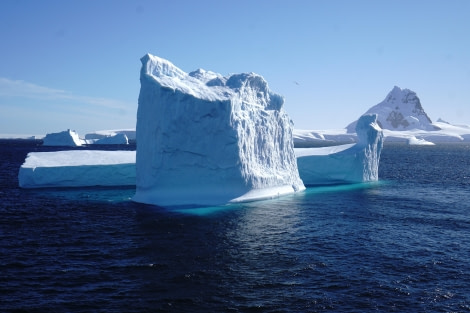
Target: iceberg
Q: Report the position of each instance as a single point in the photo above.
(350, 163)
(77, 168)
(65, 138)
(70, 138)
(100, 134)
(317, 166)
(413, 141)
(116, 139)
(205, 139)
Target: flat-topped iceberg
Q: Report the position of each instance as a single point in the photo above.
(351, 163)
(203, 138)
(77, 168)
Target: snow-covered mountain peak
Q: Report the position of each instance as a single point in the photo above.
(406, 100)
(400, 110)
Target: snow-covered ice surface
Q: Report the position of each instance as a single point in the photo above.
(350, 163)
(65, 138)
(204, 139)
(77, 168)
(446, 133)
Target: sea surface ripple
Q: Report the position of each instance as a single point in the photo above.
(399, 245)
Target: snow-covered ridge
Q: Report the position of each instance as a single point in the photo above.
(447, 133)
(402, 118)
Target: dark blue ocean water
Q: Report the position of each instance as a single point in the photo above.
(399, 245)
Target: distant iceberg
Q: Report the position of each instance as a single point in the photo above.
(68, 138)
(350, 163)
(116, 139)
(413, 141)
(102, 134)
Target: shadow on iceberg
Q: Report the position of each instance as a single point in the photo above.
(351, 163)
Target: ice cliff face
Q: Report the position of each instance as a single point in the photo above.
(352, 163)
(370, 142)
(207, 139)
(401, 110)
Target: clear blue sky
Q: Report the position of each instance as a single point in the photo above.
(75, 64)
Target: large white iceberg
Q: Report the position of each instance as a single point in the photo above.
(207, 139)
(351, 163)
(77, 168)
